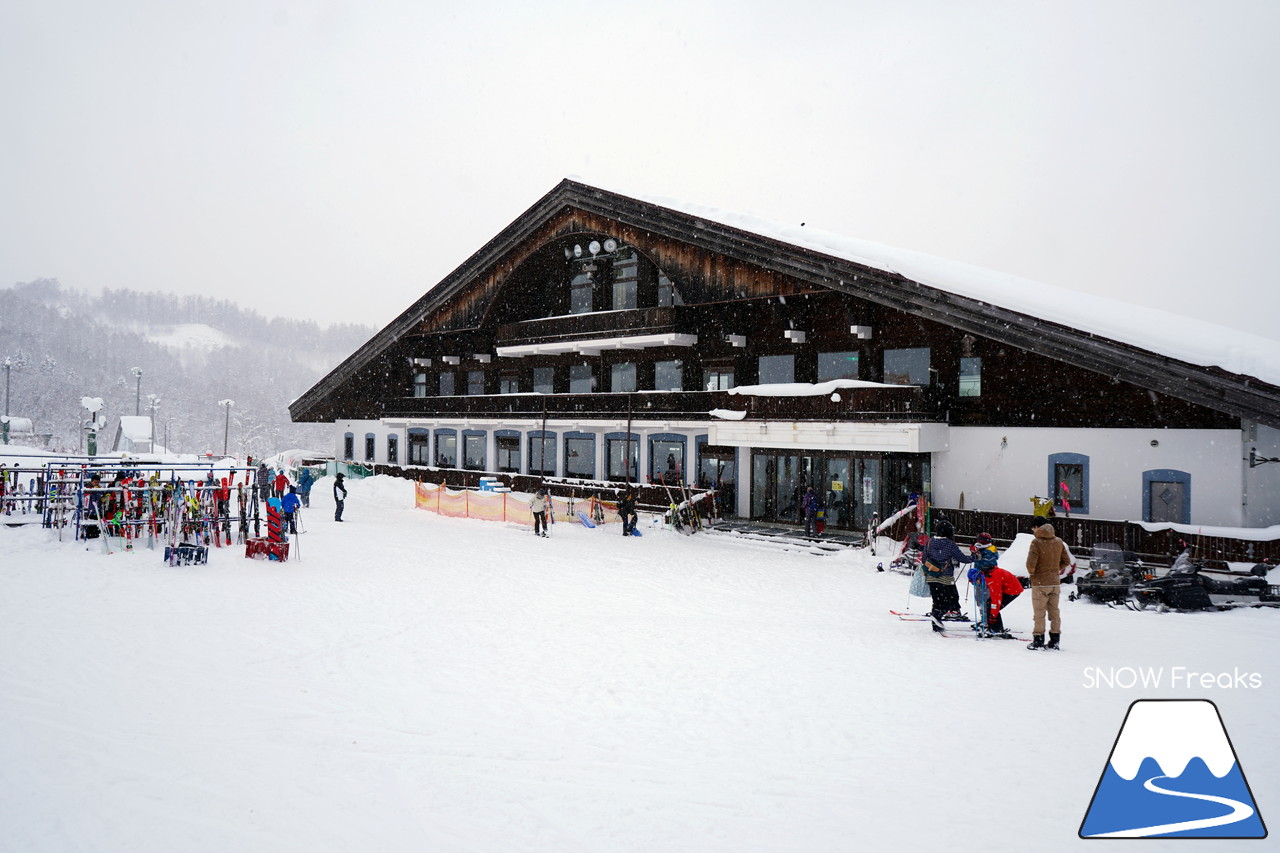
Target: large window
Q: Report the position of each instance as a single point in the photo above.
(667, 293)
(475, 383)
(446, 448)
(666, 459)
(717, 378)
(668, 375)
(777, 369)
(508, 447)
(837, 365)
(419, 383)
(623, 456)
(1069, 481)
(582, 379)
(542, 453)
(473, 451)
(970, 377)
(580, 456)
(582, 292)
(419, 447)
(446, 383)
(626, 271)
(906, 366)
(544, 380)
(623, 377)
(509, 382)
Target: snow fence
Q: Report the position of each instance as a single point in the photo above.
(507, 506)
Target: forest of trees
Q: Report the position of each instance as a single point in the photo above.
(63, 345)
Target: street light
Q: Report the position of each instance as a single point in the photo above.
(167, 421)
(226, 430)
(137, 407)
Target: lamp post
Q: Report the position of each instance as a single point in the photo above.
(226, 429)
(167, 421)
(137, 407)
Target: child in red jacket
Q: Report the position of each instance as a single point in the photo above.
(1001, 586)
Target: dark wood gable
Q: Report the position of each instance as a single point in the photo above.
(506, 285)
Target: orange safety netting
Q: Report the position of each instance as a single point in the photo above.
(502, 506)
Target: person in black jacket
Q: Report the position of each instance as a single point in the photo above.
(627, 511)
(941, 557)
(339, 497)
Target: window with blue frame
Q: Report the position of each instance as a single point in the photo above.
(1069, 482)
(370, 441)
(542, 453)
(666, 458)
(393, 449)
(446, 448)
(349, 446)
(419, 446)
(580, 455)
(473, 450)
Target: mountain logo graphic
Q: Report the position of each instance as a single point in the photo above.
(1173, 773)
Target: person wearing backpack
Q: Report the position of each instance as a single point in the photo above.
(941, 557)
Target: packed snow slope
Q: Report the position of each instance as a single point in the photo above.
(410, 682)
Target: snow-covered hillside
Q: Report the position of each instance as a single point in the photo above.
(418, 683)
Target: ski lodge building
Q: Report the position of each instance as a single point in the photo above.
(605, 339)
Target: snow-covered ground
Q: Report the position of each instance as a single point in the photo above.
(418, 683)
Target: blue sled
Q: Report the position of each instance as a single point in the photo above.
(585, 519)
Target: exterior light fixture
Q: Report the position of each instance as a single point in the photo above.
(794, 335)
(862, 333)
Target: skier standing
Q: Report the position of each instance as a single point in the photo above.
(289, 505)
(941, 556)
(1046, 559)
(539, 506)
(339, 497)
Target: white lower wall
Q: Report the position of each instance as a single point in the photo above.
(1000, 469)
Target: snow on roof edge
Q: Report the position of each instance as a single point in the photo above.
(1163, 332)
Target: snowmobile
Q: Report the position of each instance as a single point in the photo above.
(1110, 574)
(1185, 587)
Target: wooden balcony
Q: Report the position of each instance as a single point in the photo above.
(904, 404)
(639, 321)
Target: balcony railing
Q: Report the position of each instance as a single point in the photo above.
(860, 404)
(638, 321)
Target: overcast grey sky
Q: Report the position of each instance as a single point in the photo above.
(333, 160)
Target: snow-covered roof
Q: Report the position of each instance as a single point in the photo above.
(135, 427)
(1173, 335)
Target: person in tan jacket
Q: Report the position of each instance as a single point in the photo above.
(1046, 559)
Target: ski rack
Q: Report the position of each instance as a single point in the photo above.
(66, 489)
